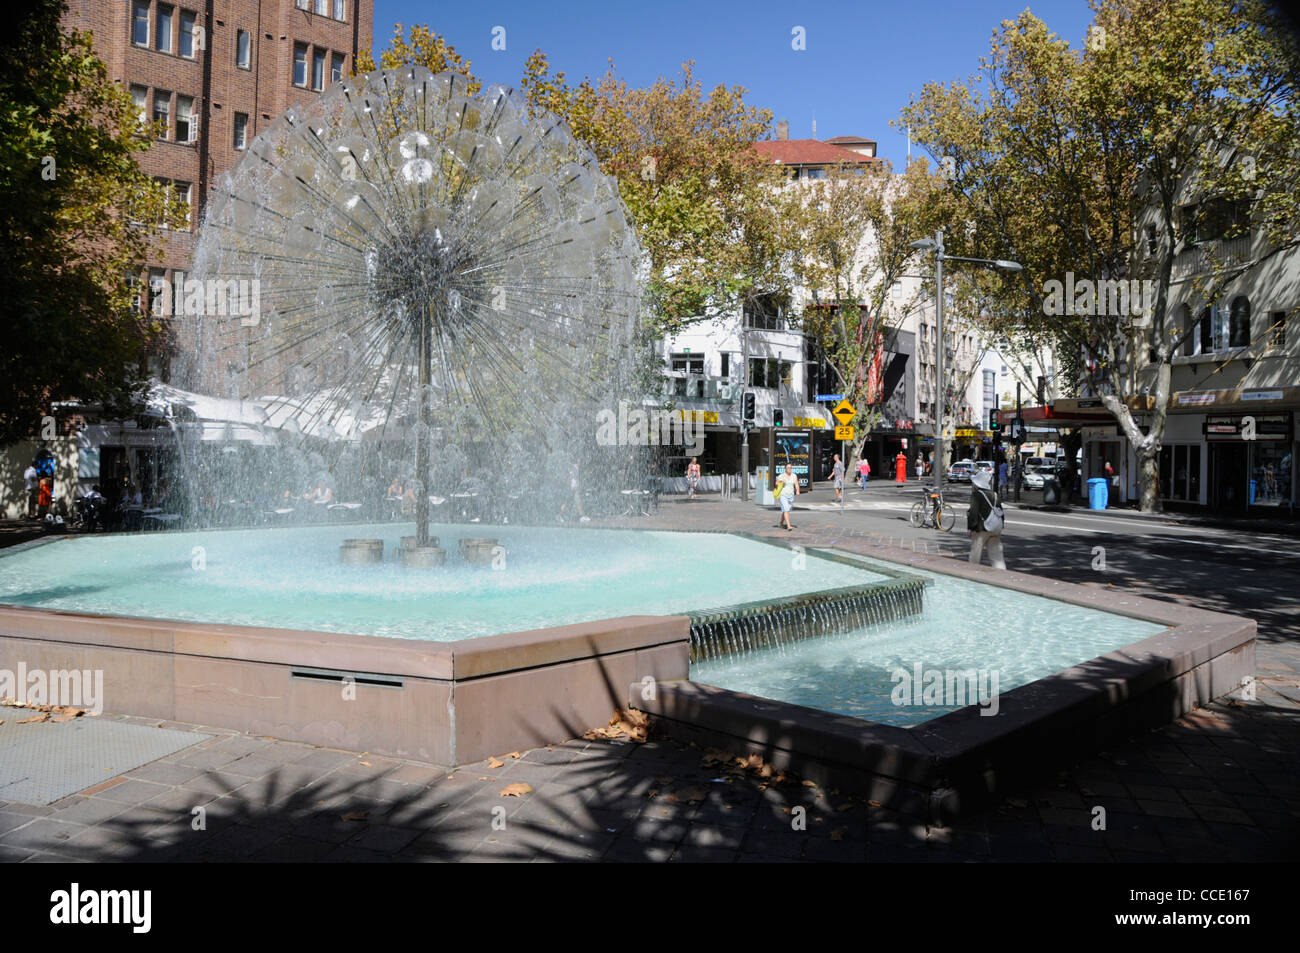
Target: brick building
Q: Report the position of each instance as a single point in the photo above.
(216, 73)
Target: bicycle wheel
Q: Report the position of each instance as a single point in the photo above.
(945, 518)
(917, 517)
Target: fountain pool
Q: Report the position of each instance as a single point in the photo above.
(292, 578)
(963, 627)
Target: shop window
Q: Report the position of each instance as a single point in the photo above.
(1180, 472)
(1239, 322)
(1271, 474)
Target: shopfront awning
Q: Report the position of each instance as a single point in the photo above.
(1240, 399)
(1066, 412)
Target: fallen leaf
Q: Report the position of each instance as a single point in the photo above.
(690, 795)
(354, 816)
(518, 789)
(40, 717)
(810, 784)
(516, 755)
(366, 763)
(62, 718)
(874, 803)
(495, 763)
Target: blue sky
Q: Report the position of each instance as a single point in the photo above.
(862, 62)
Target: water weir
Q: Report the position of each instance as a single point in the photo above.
(777, 623)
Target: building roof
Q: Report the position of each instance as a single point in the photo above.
(849, 140)
(809, 152)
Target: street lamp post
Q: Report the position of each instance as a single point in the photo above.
(936, 245)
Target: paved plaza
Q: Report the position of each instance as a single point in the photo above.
(1221, 784)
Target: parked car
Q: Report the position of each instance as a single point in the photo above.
(961, 471)
(1034, 478)
(985, 465)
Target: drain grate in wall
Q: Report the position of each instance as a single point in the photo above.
(42, 762)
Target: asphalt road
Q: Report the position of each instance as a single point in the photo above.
(1250, 568)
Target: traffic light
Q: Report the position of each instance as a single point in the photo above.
(993, 420)
(778, 418)
(748, 412)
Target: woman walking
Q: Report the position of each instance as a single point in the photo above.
(787, 488)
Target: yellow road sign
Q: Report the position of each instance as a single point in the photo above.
(843, 433)
(844, 412)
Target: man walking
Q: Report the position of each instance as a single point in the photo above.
(837, 474)
(984, 520)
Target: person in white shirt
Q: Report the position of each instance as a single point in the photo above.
(32, 479)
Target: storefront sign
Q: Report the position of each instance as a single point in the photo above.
(1268, 428)
(1191, 399)
(815, 422)
(1261, 395)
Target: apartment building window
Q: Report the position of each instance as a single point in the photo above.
(133, 289)
(1189, 332)
(241, 130)
(181, 200)
(339, 7)
(690, 363)
(140, 23)
(187, 130)
(301, 4)
(187, 35)
(1239, 322)
(336, 67)
(157, 290)
(162, 105)
(163, 29)
(323, 7)
(243, 50)
(300, 63)
(140, 96)
(318, 70)
(1277, 328)
(769, 372)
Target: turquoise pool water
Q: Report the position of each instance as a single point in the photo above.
(963, 627)
(291, 578)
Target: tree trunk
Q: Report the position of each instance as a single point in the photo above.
(1148, 479)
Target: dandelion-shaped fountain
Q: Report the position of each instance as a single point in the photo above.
(428, 259)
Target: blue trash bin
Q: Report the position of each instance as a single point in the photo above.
(1253, 484)
(1098, 493)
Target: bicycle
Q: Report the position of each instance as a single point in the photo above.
(931, 512)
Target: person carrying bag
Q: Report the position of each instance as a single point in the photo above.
(985, 520)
